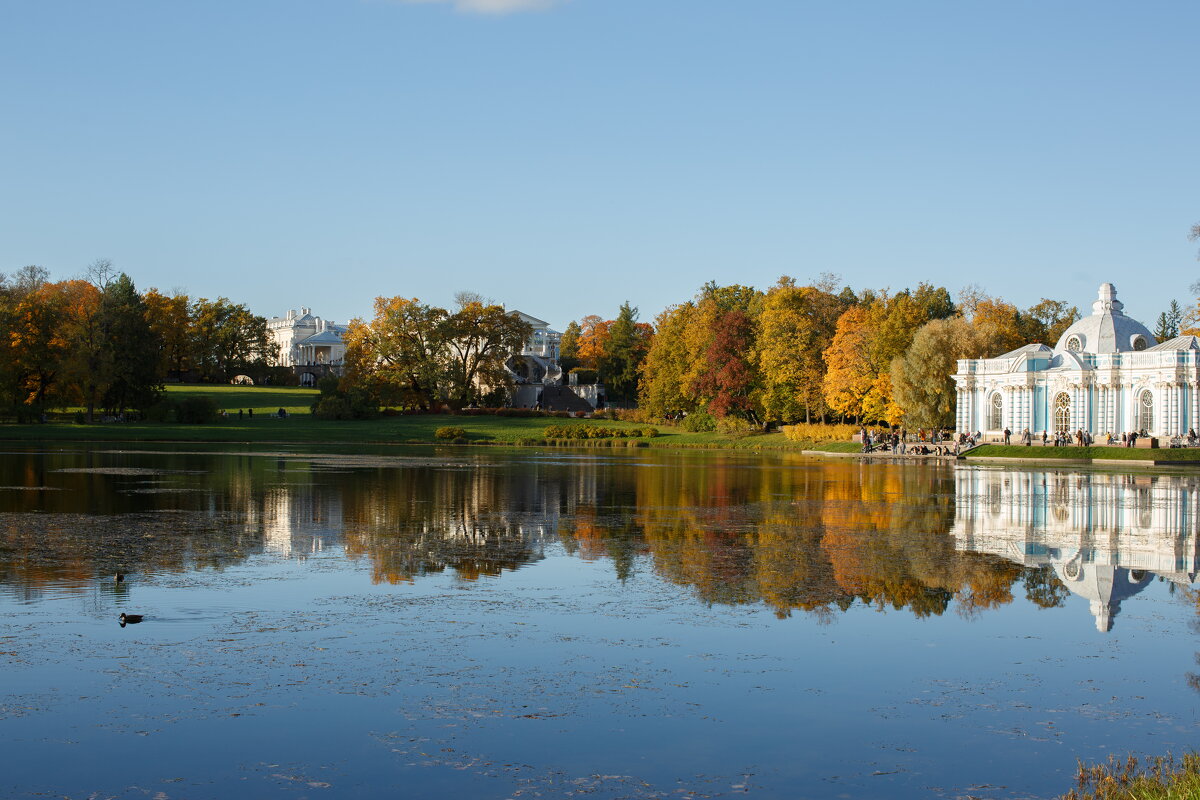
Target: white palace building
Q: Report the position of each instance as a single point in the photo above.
(1107, 374)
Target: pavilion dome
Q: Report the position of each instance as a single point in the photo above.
(1107, 330)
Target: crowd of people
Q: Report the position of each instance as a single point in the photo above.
(899, 441)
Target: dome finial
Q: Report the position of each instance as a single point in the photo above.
(1107, 302)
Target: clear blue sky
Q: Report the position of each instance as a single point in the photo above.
(565, 156)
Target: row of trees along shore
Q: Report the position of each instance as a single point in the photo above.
(97, 343)
(732, 358)
(737, 357)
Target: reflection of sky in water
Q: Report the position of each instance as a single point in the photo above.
(555, 625)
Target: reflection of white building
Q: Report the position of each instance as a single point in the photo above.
(296, 523)
(1106, 536)
(305, 340)
(1105, 375)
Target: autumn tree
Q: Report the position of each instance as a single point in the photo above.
(859, 360)
(1000, 325)
(41, 343)
(796, 327)
(398, 356)
(664, 388)
(593, 341)
(849, 375)
(478, 340)
(169, 319)
(728, 381)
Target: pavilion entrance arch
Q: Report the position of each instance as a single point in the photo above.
(1062, 412)
(1145, 412)
(308, 379)
(995, 412)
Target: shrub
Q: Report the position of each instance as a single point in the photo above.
(816, 432)
(585, 376)
(632, 415)
(196, 410)
(734, 426)
(451, 432)
(698, 421)
(649, 433)
(519, 412)
(332, 408)
(459, 440)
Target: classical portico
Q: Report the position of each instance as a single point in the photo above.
(1106, 374)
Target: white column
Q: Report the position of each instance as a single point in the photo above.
(1194, 417)
(1177, 394)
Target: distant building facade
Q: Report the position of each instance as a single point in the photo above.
(311, 346)
(1106, 374)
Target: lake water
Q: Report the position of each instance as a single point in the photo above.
(520, 624)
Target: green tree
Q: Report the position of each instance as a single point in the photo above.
(229, 340)
(922, 378)
(1047, 321)
(624, 353)
(478, 340)
(397, 358)
(568, 347)
(132, 351)
(1169, 322)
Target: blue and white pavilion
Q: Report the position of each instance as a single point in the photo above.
(1107, 374)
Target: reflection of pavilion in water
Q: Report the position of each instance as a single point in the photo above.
(1106, 536)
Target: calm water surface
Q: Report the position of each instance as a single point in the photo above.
(502, 624)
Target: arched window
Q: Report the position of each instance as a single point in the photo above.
(1062, 412)
(1145, 412)
(995, 420)
(1139, 343)
(1074, 345)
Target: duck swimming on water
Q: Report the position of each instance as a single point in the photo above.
(130, 619)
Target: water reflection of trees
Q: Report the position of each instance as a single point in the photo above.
(788, 534)
(475, 522)
(813, 537)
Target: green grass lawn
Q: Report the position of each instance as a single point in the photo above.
(406, 429)
(1088, 453)
(301, 427)
(263, 399)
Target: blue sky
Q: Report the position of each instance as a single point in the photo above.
(562, 157)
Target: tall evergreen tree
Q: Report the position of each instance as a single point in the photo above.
(132, 351)
(619, 366)
(568, 347)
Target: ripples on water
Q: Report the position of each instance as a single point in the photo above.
(501, 624)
